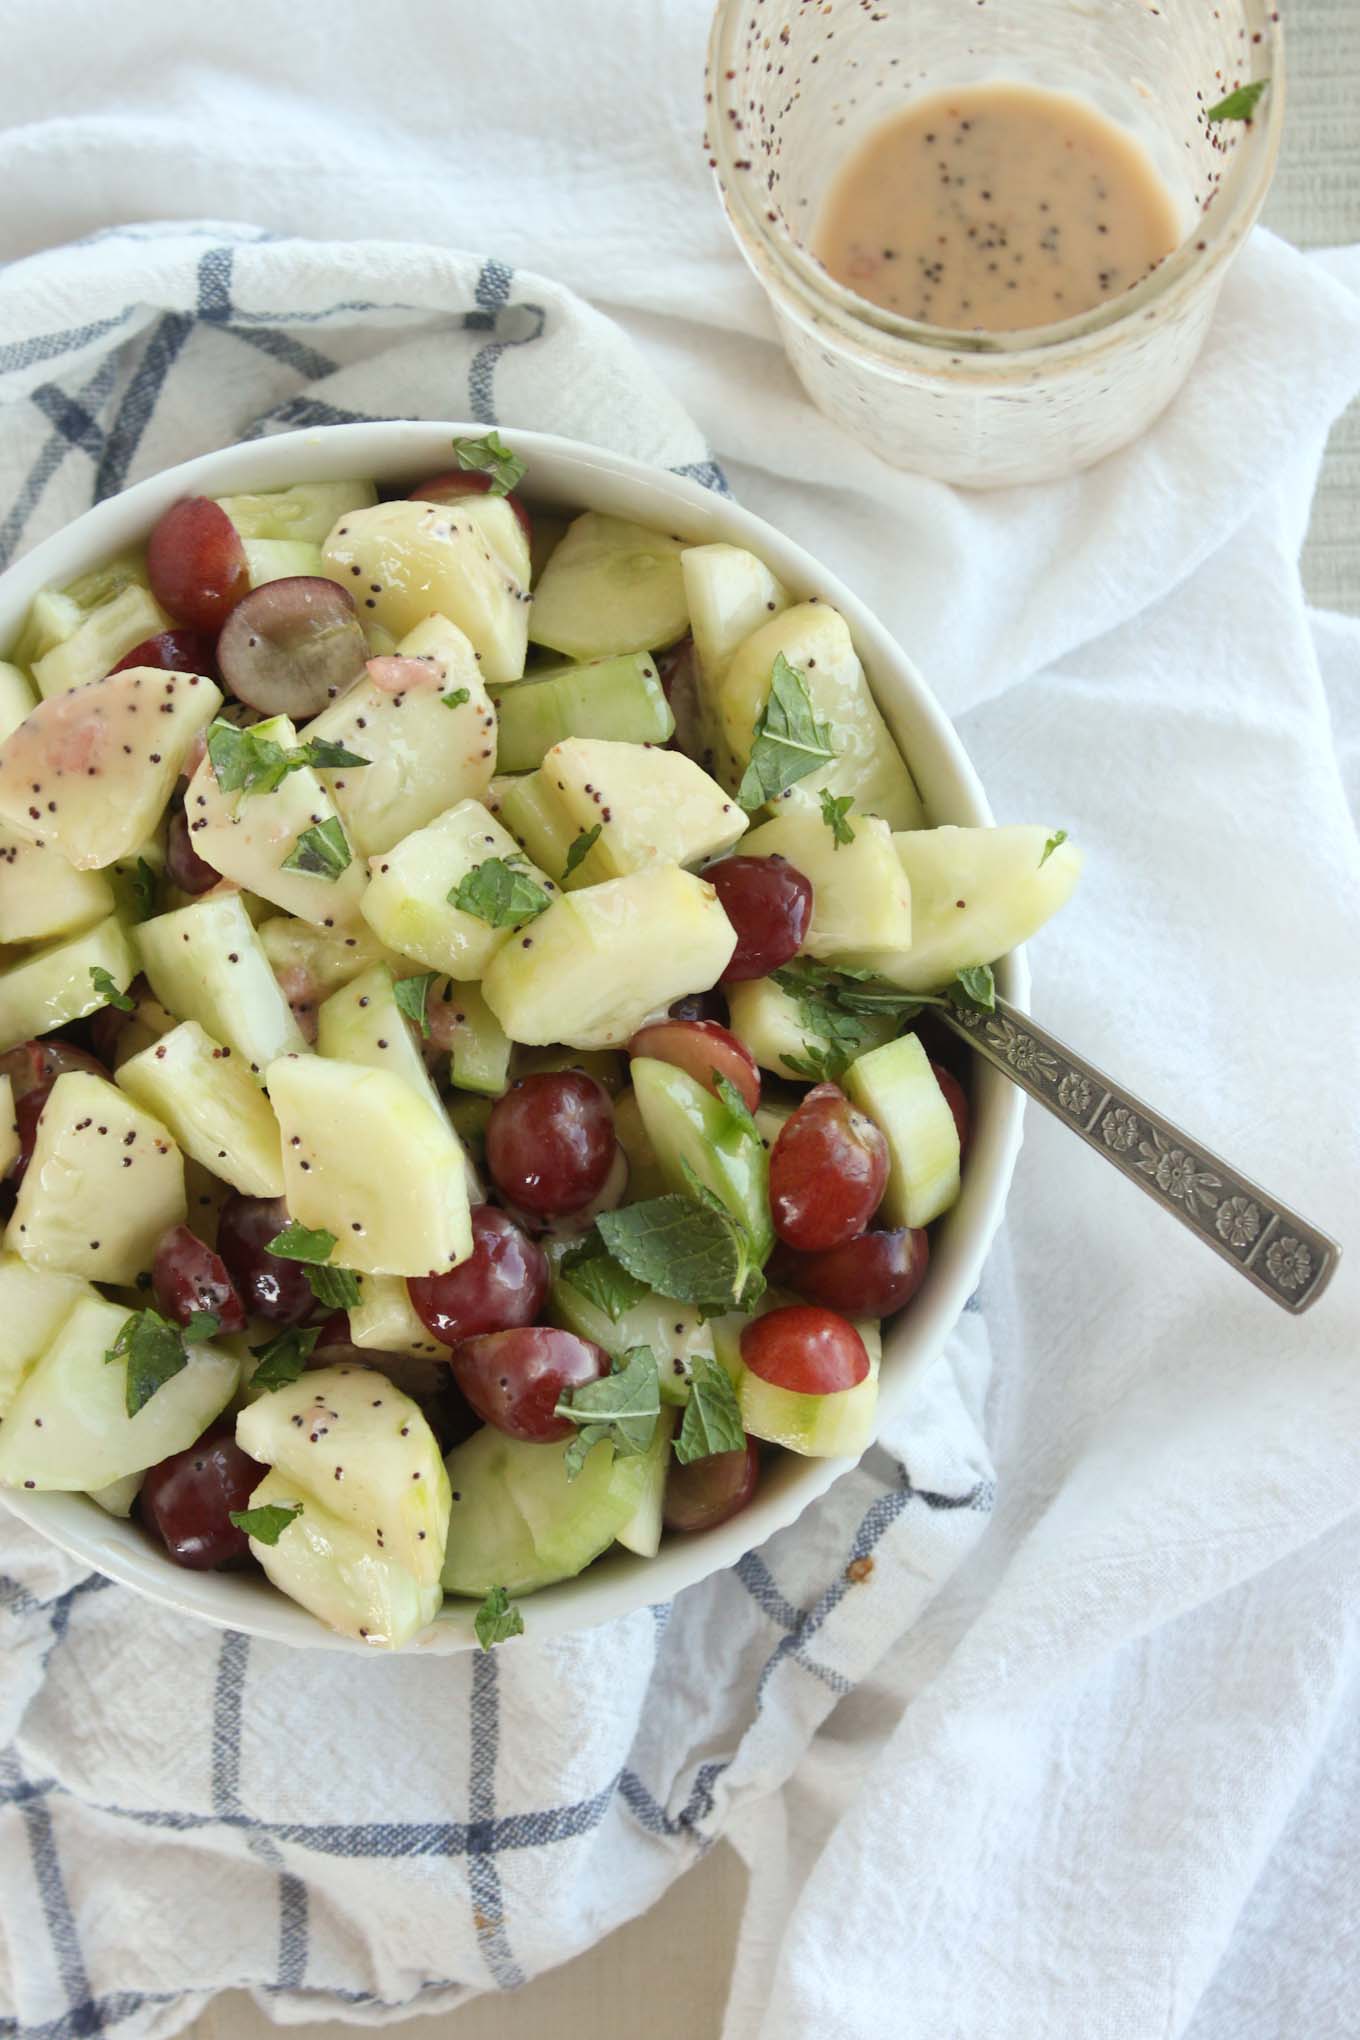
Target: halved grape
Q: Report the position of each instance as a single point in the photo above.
(447, 488)
(189, 1498)
(196, 563)
(515, 1379)
(502, 1283)
(805, 1348)
(292, 646)
(708, 1491)
(704, 1050)
(769, 904)
(828, 1171)
(871, 1276)
(173, 651)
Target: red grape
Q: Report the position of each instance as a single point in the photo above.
(501, 1284)
(269, 1286)
(707, 1491)
(515, 1379)
(173, 651)
(188, 1499)
(956, 1099)
(183, 865)
(703, 1049)
(293, 645)
(870, 1277)
(550, 1141)
(805, 1349)
(196, 563)
(769, 904)
(187, 1276)
(448, 488)
(828, 1169)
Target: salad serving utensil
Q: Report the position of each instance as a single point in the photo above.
(1286, 1258)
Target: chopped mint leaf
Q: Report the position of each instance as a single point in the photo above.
(1055, 842)
(497, 1618)
(684, 1249)
(302, 1243)
(833, 1033)
(324, 755)
(108, 990)
(456, 697)
(835, 808)
(322, 851)
(736, 1105)
(975, 987)
(203, 1324)
(245, 762)
(755, 1288)
(582, 848)
(144, 890)
(411, 994)
(337, 1288)
(1239, 105)
(154, 1351)
(623, 1407)
(282, 1358)
(490, 456)
(591, 1269)
(499, 895)
(712, 1414)
(788, 741)
(267, 1523)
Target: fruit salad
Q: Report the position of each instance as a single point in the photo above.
(471, 1081)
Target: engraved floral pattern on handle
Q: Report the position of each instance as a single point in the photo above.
(1290, 1260)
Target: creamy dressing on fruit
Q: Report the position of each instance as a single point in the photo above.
(995, 207)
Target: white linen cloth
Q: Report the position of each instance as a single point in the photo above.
(1101, 1786)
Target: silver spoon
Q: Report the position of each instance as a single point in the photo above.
(1290, 1260)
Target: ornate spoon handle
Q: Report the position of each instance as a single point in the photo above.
(1272, 1246)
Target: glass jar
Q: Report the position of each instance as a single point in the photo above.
(795, 85)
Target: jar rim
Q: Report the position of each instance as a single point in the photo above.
(768, 244)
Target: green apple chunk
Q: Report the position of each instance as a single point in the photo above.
(896, 1087)
(104, 1182)
(99, 640)
(384, 1319)
(280, 559)
(345, 1437)
(42, 897)
(89, 772)
(770, 1024)
(610, 587)
(977, 894)
(251, 837)
(691, 1130)
(305, 512)
(407, 903)
(311, 963)
(730, 594)
(467, 563)
(816, 639)
(651, 807)
(362, 1023)
(427, 729)
(368, 1160)
(332, 1569)
(68, 1426)
(212, 1105)
(118, 1497)
(603, 960)
(206, 963)
(56, 985)
(836, 1426)
(861, 902)
(34, 1306)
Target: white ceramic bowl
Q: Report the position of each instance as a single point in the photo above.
(564, 472)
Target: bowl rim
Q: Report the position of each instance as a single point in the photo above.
(575, 474)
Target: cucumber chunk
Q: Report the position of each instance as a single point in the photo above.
(212, 1105)
(517, 1521)
(370, 1161)
(68, 1426)
(345, 1437)
(836, 1426)
(423, 754)
(620, 698)
(104, 761)
(530, 809)
(770, 1024)
(605, 959)
(94, 647)
(896, 1086)
(651, 807)
(470, 564)
(54, 985)
(331, 1569)
(280, 559)
(17, 698)
(687, 1125)
(34, 1305)
(307, 511)
(816, 639)
(610, 587)
(206, 963)
(642, 1532)
(1007, 886)
(479, 1047)
(861, 902)
(104, 1182)
(407, 903)
(362, 1023)
(43, 897)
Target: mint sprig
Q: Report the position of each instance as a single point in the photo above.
(202, 1325)
(267, 1523)
(283, 1358)
(496, 893)
(591, 1269)
(144, 889)
(688, 1249)
(245, 762)
(412, 995)
(302, 1243)
(835, 808)
(154, 1351)
(337, 1288)
(712, 1421)
(497, 1618)
(622, 1407)
(788, 740)
(322, 851)
(490, 456)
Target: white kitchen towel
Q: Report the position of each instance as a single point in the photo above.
(1105, 1786)
(343, 1834)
